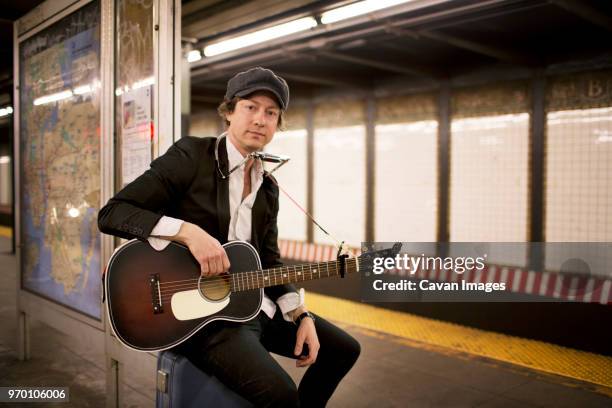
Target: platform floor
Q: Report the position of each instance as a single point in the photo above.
(393, 371)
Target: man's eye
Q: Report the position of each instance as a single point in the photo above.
(272, 113)
(250, 107)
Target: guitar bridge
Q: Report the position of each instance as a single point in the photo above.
(156, 294)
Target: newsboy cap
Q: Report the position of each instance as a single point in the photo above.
(258, 79)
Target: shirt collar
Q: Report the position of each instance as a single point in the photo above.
(234, 156)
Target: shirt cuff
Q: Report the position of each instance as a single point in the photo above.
(165, 227)
(289, 302)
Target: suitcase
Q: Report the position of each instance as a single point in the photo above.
(180, 384)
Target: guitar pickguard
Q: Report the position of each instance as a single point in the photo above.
(190, 305)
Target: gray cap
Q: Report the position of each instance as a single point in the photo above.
(258, 79)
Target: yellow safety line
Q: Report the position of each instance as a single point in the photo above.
(6, 232)
(550, 358)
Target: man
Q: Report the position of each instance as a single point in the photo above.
(189, 196)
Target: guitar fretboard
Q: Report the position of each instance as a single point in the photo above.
(290, 274)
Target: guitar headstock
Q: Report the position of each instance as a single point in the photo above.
(366, 259)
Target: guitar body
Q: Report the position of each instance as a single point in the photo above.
(155, 299)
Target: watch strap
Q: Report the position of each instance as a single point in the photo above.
(299, 319)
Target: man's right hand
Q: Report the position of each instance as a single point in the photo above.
(205, 249)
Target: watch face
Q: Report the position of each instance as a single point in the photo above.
(308, 314)
(302, 316)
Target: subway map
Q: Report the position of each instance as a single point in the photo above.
(59, 131)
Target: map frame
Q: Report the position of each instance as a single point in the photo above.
(48, 15)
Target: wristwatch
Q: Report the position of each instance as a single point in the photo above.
(298, 320)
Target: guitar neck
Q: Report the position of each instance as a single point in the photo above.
(290, 274)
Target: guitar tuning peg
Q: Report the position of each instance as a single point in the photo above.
(343, 250)
(368, 247)
(397, 247)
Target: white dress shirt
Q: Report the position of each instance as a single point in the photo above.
(239, 227)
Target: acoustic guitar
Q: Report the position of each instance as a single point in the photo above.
(157, 299)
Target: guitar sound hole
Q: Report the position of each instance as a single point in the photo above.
(215, 288)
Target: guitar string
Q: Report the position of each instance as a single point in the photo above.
(222, 281)
(214, 283)
(252, 275)
(226, 283)
(276, 270)
(167, 295)
(234, 287)
(228, 288)
(248, 279)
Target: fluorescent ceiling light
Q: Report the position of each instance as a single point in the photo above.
(53, 97)
(83, 89)
(357, 9)
(6, 111)
(136, 85)
(260, 36)
(193, 56)
(143, 82)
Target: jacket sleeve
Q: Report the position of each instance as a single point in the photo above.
(270, 255)
(135, 210)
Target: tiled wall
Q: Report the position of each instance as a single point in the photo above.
(579, 175)
(578, 166)
(489, 182)
(339, 171)
(6, 183)
(292, 177)
(406, 169)
(489, 168)
(489, 178)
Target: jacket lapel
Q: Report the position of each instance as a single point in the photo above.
(223, 192)
(258, 215)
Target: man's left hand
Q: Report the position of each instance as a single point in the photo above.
(306, 334)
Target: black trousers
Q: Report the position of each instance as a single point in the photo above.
(238, 354)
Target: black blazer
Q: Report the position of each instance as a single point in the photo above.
(184, 183)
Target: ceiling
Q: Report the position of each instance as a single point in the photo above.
(9, 12)
(424, 42)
